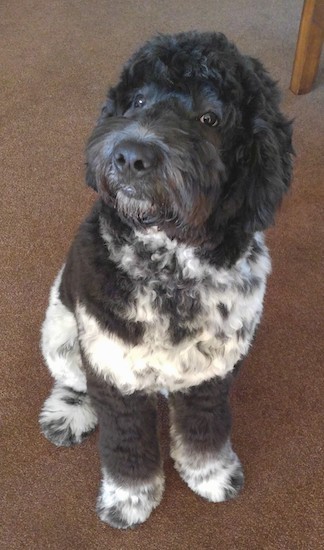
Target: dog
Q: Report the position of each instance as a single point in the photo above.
(162, 289)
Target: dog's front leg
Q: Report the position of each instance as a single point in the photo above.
(200, 440)
(133, 481)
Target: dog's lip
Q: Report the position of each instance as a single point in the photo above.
(129, 191)
(134, 207)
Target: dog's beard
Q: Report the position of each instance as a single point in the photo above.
(162, 203)
(140, 210)
(143, 201)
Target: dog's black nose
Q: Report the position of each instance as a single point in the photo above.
(134, 158)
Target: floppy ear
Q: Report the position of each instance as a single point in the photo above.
(108, 109)
(90, 177)
(265, 156)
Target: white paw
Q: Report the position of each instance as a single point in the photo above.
(127, 505)
(67, 416)
(217, 481)
(217, 477)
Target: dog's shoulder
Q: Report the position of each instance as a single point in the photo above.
(92, 278)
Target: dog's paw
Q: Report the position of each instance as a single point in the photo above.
(219, 482)
(67, 416)
(124, 506)
(216, 478)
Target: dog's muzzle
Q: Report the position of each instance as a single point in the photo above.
(134, 160)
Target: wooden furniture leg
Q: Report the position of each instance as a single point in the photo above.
(309, 44)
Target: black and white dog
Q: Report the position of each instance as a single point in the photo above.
(163, 286)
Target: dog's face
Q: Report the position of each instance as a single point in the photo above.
(191, 140)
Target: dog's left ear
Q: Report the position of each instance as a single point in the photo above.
(265, 156)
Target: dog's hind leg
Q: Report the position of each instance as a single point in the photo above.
(67, 416)
(200, 440)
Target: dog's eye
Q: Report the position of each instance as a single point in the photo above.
(209, 118)
(139, 101)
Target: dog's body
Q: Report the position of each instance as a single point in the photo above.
(163, 286)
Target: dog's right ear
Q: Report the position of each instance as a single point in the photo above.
(90, 177)
(108, 110)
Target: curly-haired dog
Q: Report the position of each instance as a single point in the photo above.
(163, 285)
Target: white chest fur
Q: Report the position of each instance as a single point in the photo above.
(219, 335)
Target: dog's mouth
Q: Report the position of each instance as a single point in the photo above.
(140, 210)
(130, 206)
(137, 201)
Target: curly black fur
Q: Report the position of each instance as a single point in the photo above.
(164, 283)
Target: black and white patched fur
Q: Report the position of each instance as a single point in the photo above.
(162, 289)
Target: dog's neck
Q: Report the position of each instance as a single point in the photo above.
(220, 248)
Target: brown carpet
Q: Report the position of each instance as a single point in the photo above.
(57, 58)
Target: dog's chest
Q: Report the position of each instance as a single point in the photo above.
(198, 321)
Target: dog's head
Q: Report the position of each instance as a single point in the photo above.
(192, 140)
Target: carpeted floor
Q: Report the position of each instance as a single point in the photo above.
(57, 58)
